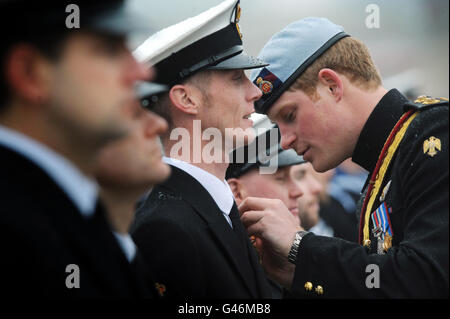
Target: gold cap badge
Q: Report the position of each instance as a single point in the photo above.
(237, 19)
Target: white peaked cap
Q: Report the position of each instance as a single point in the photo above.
(174, 38)
(210, 40)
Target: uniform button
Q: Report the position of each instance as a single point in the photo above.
(319, 290)
(308, 286)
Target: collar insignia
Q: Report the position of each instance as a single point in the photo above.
(426, 99)
(431, 146)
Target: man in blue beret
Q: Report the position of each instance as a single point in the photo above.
(325, 94)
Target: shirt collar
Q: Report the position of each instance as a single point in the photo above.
(81, 190)
(377, 129)
(219, 190)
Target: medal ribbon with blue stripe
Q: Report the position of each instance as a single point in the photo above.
(380, 218)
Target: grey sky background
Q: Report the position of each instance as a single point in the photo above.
(411, 47)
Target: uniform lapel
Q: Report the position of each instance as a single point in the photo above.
(261, 281)
(95, 243)
(144, 282)
(89, 240)
(195, 195)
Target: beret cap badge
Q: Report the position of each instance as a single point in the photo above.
(265, 86)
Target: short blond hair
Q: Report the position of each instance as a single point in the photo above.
(350, 57)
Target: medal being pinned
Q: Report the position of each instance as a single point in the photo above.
(382, 228)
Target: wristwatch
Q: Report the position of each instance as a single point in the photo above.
(292, 257)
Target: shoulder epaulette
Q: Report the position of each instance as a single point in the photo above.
(425, 102)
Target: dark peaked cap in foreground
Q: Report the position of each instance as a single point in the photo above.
(20, 18)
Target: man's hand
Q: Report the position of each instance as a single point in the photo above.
(275, 227)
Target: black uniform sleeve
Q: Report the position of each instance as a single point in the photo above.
(417, 266)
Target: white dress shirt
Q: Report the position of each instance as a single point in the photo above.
(219, 190)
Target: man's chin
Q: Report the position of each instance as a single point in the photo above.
(163, 172)
(110, 135)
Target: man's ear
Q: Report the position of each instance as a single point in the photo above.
(27, 74)
(187, 98)
(333, 82)
(238, 189)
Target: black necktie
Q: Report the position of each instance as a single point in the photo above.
(244, 239)
(235, 219)
(238, 228)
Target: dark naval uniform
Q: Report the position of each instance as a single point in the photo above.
(180, 230)
(43, 232)
(404, 218)
(190, 248)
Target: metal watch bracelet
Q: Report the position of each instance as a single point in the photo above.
(292, 257)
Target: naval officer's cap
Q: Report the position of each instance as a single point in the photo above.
(210, 40)
(290, 52)
(261, 153)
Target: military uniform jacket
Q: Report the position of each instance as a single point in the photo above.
(417, 263)
(42, 232)
(191, 249)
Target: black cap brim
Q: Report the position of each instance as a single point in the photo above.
(240, 61)
(149, 93)
(147, 89)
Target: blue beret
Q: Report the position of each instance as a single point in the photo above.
(289, 53)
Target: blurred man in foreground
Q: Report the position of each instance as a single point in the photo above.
(125, 170)
(65, 93)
